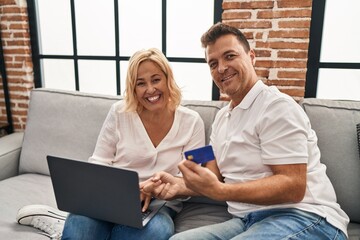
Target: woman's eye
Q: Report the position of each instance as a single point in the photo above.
(139, 84)
(212, 65)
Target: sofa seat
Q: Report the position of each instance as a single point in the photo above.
(16, 192)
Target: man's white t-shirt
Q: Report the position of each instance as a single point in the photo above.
(270, 128)
(123, 142)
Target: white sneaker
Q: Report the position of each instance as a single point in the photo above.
(45, 218)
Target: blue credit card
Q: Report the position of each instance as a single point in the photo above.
(200, 155)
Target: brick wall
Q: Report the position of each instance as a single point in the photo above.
(17, 53)
(279, 33)
(277, 29)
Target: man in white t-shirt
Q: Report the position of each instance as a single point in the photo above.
(267, 165)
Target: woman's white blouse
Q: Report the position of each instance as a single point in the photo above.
(123, 142)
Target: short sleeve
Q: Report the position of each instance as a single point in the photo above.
(283, 133)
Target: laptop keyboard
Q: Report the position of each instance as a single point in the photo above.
(146, 213)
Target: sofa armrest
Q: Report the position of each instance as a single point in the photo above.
(10, 147)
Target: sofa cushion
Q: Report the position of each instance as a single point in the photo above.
(354, 231)
(334, 122)
(61, 123)
(195, 215)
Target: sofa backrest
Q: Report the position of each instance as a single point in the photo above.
(61, 123)
(67, 124)
(334, 122)
(207, 111)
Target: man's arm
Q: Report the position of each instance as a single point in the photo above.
(288, 184)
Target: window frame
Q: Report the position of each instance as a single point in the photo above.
(9, 127)
(37, 57)
(314, 64)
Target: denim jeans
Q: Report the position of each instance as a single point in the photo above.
(272, 224)
(77, 227)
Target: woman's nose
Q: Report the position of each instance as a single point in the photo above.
(151, 89)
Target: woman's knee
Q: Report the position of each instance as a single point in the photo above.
(81, 227)
(162, 225)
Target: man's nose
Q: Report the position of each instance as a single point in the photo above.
(222, 67)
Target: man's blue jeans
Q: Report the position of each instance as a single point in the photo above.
(161, 226)
(272, 224)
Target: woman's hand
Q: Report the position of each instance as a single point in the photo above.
(163, 185)
(145, 200)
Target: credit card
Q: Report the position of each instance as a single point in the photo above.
(200, 155)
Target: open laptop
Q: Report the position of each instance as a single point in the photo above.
(102, 192)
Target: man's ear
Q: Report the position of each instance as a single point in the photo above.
(252, 56)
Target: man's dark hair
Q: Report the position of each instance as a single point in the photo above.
(218, 30)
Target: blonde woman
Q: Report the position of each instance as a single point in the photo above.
(147, 132)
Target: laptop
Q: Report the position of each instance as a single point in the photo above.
(97, 191)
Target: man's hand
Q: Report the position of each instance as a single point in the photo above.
(199, 179)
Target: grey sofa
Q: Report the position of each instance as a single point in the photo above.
(66, 123)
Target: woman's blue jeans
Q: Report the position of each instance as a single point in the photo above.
(77, 227)
(272, 224)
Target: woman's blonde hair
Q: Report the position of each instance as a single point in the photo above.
(156, 56)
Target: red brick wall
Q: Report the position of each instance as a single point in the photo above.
(277, 29)
(17, 53)
(279, 33)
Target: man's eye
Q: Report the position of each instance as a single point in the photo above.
(230, 56)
